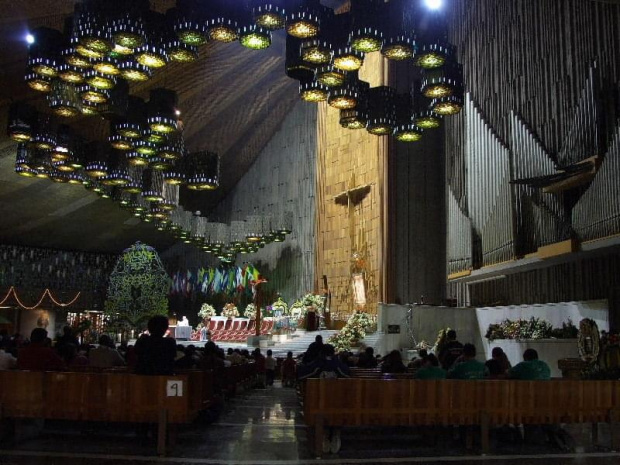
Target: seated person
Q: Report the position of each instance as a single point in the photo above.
(155, 353)
(326, 366)
(106, 355)
(469, 367)
(289, 370)
(73, 359)
(502, 359)
(452, 350)
(7, 361)
(38, 356)
(531, 368)
(314, 350)
(393, 363)
(420, 360)
(430, 369)
(367, 359)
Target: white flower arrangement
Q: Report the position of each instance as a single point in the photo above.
(250, 312)
(206, 311)
(354, 330)
(279, 306)
(230, 311)
(298, 309)
(312, 300)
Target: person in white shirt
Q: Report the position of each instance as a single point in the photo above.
(7, 361)
(106, 355)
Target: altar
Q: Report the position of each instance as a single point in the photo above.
(181, 333)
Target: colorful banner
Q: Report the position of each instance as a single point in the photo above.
(208, 281)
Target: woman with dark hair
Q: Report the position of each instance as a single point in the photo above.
(393, 363)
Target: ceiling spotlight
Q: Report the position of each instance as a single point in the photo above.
(145, 148)
(303, 23)
(355, 118)
(255, 37)
(135, 72)
(447, 105)
(203, 170)
(94, 95)
(427, 120)
(433, 4)
(70, 74)
(29, 39)
(408, 132)
(22, 121)
(381, 110)
(44, 66)
(75, 59)
(313, 91)
(330, 76)
(120, 143)
(366, 40)
(401, 47)
(348, 59)
(431, 56)
(99, 81)
(316, 51)
(222, 29)
(129, 130)
(152, 56)
(181, 52)
(269, 14)
(108, 67)
(38, 83)
(64, 99)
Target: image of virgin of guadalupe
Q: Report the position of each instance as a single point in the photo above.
(43, 321)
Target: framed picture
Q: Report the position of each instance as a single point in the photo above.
(359, 289)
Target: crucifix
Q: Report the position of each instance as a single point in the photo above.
(350, 198)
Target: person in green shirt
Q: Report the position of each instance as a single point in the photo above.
(430, 369)
(530, 368)
(469, 367)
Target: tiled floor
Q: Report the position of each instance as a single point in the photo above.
(265, 427)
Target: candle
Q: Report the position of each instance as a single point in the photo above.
(132, 333)
(119, 337)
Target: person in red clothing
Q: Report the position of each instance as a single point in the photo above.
(36, 356)
(289, 371)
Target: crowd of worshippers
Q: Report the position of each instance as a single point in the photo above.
(152, 354)
(453, 361)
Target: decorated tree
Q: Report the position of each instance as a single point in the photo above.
(138, 289)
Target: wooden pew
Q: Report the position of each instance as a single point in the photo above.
(403, 402)
(109, 397)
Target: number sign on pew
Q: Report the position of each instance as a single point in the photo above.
(174, 388)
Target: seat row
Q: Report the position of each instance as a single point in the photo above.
(237, 330)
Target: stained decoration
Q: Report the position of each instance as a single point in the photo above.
(138, 289)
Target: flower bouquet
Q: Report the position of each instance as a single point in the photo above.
(206, 311)
(230, 311)
(312, 301)
(250, 312)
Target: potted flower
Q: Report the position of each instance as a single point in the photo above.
(312, 302)
(206, 312)
(250, 312)
(230, 311)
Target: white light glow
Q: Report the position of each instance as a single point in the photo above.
(434, 4)
(30, 39)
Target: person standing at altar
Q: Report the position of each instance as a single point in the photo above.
(37, 356)
(452, 350)
(156, 353)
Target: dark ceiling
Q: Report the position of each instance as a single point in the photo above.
(232, 101)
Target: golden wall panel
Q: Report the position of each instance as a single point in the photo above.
(343, 154)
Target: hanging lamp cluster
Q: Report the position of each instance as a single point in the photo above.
(327, 62)
(227, 241)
